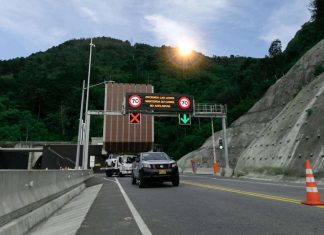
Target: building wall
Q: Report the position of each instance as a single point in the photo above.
(61, 156)
(119, 135)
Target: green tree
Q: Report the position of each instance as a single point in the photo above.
(275, 48)
(317, 10)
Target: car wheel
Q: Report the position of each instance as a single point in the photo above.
(141, 182)
(120, 174)
(133, 179)
(175, 181)
(109, 173)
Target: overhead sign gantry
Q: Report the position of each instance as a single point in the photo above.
(169, 105)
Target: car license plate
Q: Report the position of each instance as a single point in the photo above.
(162, 172)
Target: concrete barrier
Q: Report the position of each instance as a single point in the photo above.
(24, 191)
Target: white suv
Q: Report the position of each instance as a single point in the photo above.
(111, 160)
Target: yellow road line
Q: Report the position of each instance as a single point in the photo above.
(253, 194)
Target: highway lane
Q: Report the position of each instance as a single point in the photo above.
(295, 191)
(203, 205)
(192, 208)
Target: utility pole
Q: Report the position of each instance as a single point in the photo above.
(85, 148)
(80, 134)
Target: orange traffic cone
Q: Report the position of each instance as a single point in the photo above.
(312, 195)
(216, 168)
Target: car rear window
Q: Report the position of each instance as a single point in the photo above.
(155, 156)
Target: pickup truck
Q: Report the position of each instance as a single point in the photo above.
(119, 165)
(154, 167)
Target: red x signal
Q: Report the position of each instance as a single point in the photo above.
(134, 118)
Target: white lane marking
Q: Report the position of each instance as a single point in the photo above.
(140, 222)
(110, 180)
(251, 182)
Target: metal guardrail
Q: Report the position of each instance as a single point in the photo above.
(210, 110)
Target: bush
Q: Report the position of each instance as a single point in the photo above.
(309, 112)
(318, 70)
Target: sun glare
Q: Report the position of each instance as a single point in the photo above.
(185, 49)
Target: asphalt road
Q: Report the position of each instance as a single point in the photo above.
(202, 205)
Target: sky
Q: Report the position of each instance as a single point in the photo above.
(212, 27)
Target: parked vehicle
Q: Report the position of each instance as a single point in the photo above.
(154, 167)
(111, 160)
(120, 165)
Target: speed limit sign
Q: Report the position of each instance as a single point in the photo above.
(184, 102)
(134, 101)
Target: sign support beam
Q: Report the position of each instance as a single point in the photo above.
(213, 139)
(228, 170)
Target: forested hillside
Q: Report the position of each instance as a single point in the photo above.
(40, 95)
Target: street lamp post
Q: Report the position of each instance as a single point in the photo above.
(85, 148)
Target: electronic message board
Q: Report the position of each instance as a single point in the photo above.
(158, 103)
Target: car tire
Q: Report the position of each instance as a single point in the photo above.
(120, 174)
(109, 173)
(133, 179)
(175, 181)
(141, 183)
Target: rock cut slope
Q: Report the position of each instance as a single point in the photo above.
(281, 129)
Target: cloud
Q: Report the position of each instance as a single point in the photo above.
(174, 22)
(213, 26)
(206, 9)
(28, 23)
(284, 22)
(91, 14)
(170, 32)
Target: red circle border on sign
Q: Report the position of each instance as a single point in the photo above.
(183, 97)
(132, 105)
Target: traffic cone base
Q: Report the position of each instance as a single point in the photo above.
(313, 204)
(312, 195)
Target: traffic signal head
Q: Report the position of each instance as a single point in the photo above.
(220, 143)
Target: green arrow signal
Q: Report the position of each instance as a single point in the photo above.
(184, 119)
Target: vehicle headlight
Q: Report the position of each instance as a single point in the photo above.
(146, 165)
(174, 165)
